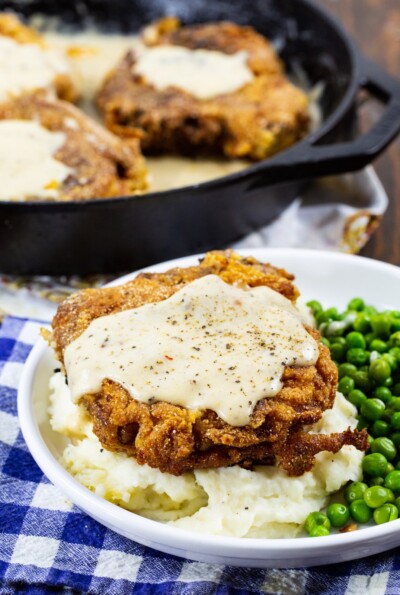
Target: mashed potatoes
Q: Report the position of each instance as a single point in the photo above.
(231, 501)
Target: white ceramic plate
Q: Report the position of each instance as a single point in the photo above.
(329, 277)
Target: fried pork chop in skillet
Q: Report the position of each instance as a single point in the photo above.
(262, 117)
(175, 439)
(12, 28)
(101, 164)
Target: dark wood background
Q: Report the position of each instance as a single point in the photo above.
(375, 25)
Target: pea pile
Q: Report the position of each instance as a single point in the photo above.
(365, 345)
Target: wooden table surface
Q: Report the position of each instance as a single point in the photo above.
(375, 25)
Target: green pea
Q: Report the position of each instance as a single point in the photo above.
(356, 397)
(362, 380)
(357, 356)
(394, 404)
(338, 352)
(395, 420)
(386, 513)
(362, 323)
(372, 409)
(346, 385)
(316, 519)
(355, 340)
(392, 481)
(395, 351)
(376, 481)
(378, 345)
(338, 514)
(356, 304)
(371, 310)
(376, 496)
(379, 370)
(347, 369)
(397, 502)
(396, 389)
(391, 360)
(389, 468)
(383, 393)
(394, 339)
(380, 324)
(379, 427)
(355, 491)
(395, 438)
(332, 314)
(360, 512)
(385, 446)
(325, 341)
(321, 318)
(391, 497)
(374, 464)
(319, 531)
(315, 307)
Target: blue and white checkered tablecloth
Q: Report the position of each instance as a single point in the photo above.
(47, 545)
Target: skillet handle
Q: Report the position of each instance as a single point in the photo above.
(308, 159)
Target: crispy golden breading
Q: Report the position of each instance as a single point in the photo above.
(11, 26)
(175, 439)
(260, 119)
(76, 313)
(103, 165)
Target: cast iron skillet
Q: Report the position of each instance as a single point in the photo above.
(120, 234)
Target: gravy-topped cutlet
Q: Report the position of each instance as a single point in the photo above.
(211, 89)
(61, 154)
(29, 65)
(199, 367)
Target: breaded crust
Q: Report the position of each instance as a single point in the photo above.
(175, 439)
(103, 165)
(76, 313)
(260, 119)
(11, 26)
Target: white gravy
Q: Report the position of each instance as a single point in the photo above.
(24, 67)
(27, 166)
(91, 55)
(202, 73)
(209, 346)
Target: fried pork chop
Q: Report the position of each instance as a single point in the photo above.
(11, 27)
(102, 165)
(175, 439)
(263, 117)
